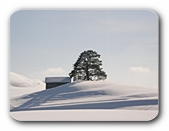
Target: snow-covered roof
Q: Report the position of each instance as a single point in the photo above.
(57, 79)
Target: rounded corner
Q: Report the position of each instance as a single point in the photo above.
(10, 113)
(14, 13)
(155, 117)
(154, 13)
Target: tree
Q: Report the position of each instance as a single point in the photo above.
(88, 67)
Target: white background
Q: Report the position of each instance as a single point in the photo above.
(7, 7)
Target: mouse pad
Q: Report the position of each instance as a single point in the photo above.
(84, 65)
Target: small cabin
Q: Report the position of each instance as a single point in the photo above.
(56, 81)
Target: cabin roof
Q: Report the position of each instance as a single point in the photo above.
(57, 79)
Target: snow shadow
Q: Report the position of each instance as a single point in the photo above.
(101, 105)
(58, 99)
(63, 92)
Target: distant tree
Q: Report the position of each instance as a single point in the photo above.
(88, 67)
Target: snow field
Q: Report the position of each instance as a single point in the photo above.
(81, 101)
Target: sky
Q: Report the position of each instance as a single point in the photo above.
(48, 42)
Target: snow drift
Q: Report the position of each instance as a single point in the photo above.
(89, 95)
(122, 101)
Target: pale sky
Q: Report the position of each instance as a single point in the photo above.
(48, 43)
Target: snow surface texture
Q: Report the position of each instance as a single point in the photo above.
(20, 85)
(81, 101)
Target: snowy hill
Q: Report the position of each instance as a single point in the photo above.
(86, 96)
(18, 80)
(89, 95)
(20, 85)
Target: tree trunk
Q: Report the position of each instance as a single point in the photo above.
(87, 72)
